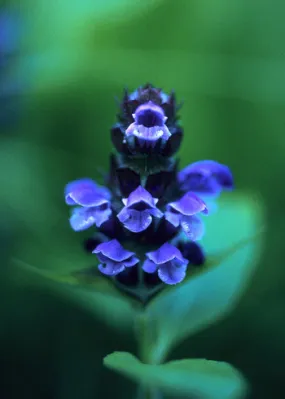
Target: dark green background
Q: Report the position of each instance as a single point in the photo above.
(226, 61)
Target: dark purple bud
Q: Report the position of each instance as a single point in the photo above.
(111, 179)
(169, 263)
(119, 139)
(91, 243)
(129, 277)
(193, 252)
(158, 183)
(165, 232)
(128, 180)
(128, 106)
(112, 228)
(169, 106)
(173, 143)
(207, 177)
(147, 93)
(151, 279)
(114, 258)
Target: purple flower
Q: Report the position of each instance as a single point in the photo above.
(206, 177)
(138, 211)
(183, 213)
(149, 125)
(170, 264)
(114, 258)
(94, 202)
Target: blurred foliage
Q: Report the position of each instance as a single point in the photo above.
(226, 61)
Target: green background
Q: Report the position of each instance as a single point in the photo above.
(226, 61)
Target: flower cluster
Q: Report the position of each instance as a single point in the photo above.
(148, 215)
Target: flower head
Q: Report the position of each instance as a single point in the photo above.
(114, 258)
(183, 213)
(147, 203)
(93, 201)
(138, 211)
(169, 262)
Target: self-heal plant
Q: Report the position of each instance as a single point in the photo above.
(147, 205)
(147, 218)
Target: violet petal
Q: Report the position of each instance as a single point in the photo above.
(173, 218)
(113, 250)
(111, 268)
(170, 274)
(81, 219)
(188, 205)
(165, 253)
(131, 262)
(137, 221)
(149, 266)
(128, 180)
(148, 133)
(140, 194)
(149, 115)
(193, 227)
(156, 213)
(206, 176)
(86, 192)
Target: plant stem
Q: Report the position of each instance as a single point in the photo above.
(145, 392)
(145, 355)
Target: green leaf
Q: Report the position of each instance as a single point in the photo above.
(201, 378)
(94, 293)
(213, 291)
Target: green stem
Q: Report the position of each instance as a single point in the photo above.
(145, 339)
(145, 392)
